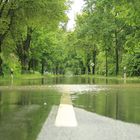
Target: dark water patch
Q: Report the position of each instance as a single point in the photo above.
(118, 103)
(22, 113)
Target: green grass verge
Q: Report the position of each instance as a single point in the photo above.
(38, 75)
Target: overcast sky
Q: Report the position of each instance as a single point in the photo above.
(76, 8)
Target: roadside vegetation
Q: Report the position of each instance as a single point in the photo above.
(34, 39)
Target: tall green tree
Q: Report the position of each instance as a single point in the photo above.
(22, 18)
(110, 27)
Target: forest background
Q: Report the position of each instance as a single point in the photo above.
(105, 41)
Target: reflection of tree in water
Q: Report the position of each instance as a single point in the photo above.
(101, 103)
(106, 81)
(0, 98)
(91, 80)
(0, 104)
(117, 106)
(24, 99)
(120, 104)
(43, 81)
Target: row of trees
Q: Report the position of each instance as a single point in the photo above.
(21, 22)
(109, 34)
(33, 37)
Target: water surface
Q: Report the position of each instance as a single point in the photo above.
(66, 80)
(23, 111)
(121, 103)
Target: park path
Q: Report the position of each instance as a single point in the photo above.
(68, 123)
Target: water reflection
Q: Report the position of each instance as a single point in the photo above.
(67, 80)
(25, 111)
(122, 104)
(22, 113)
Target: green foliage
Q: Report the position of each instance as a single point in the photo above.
(110, 30)
(106, 38)
(19, 20)
(132, 61)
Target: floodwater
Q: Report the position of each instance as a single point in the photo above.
(23, 112)
(121, 103)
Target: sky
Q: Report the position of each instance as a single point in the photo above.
(75, 9)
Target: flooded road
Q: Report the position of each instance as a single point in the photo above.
(90, 126)
(23, 112)
(121, 102)
(25, 105)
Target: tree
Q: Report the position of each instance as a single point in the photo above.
(109, 27)
(22, 18)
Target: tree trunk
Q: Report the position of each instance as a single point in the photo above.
(29, 65)
(26, 46)
(116, 54)
(94, 61)
(106, 63)
(117, 60)
(42, 68)
(57, 69)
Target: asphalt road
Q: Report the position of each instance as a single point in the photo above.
(90, 127)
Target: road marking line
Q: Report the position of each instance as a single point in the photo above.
(66, 116)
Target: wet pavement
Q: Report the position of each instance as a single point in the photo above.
(68, 123)
(90, 127)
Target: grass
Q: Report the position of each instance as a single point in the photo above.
(111, 77)
(38, 76)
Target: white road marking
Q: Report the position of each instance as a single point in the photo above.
(65, 116)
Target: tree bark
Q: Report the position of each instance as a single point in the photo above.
(116, 54)
(94, 61)
(25, 50)
(106, 63)
(117, 60)
(42, 68)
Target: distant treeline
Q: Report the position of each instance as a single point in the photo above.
(105, 41)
